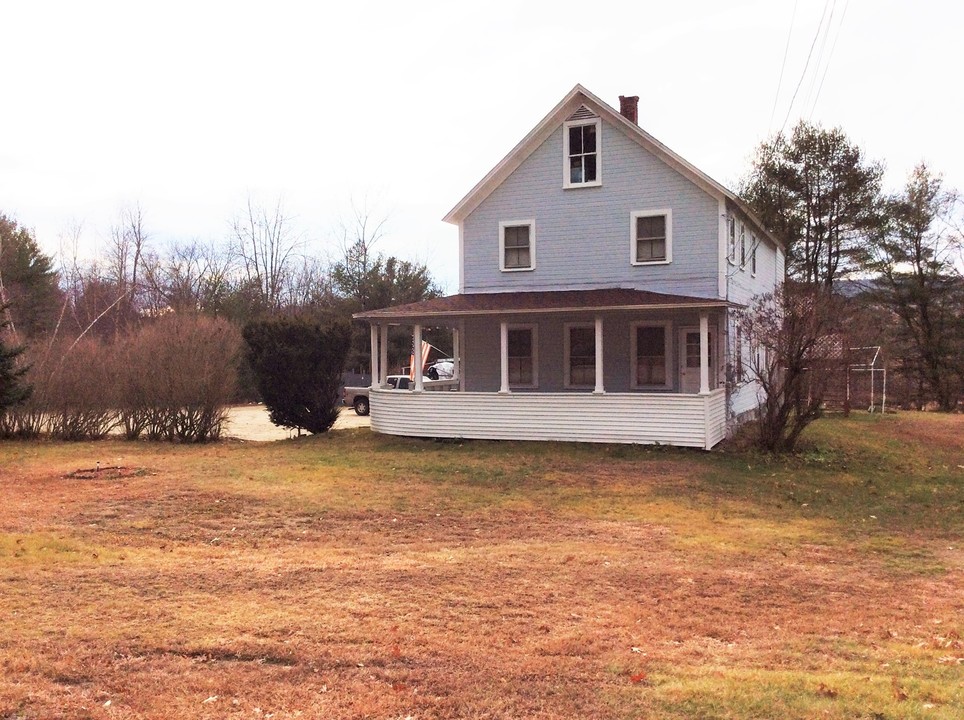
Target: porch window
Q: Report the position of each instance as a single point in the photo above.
(650, 346)
(580, 356)
(522, 356)
(517, 245)
(651, 237)
(581, 152)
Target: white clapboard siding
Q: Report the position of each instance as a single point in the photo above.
(669, 419)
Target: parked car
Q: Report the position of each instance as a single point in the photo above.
(357, 397)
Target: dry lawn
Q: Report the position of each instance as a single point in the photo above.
(358, 576)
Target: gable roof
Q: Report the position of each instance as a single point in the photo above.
(576, 98)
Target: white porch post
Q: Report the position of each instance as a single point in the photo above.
(417, 357)
(599, 389)
(458, 360)
(456, 355)
(383, 361)
(374, 382)
(504, 357)
(704, 354)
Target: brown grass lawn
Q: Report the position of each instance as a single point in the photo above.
(358, 576)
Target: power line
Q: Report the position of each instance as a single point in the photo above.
(805, 67)
(829, 59)
(819, 62)
(783, 66)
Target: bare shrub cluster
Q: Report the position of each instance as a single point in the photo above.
(171, 379)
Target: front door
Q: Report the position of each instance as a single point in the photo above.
(689, 353)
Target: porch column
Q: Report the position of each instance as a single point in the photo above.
(374, 382)
(456, 355)
(383, 361)
(704, 354)
(599, 389)
(458, 360)
(504, 357)
(417, 357)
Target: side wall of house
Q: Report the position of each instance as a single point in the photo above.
(743, 283)
(583, 235)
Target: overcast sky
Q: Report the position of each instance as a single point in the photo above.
(187, 108)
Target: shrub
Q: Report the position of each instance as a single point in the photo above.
(298, 363)
(73, 393)
(178, 377)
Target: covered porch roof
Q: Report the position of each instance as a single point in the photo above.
(555, 301)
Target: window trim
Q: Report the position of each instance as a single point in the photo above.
(634, 354)
(532, 244)
(534, 332)
(566, 184)
(567, 356)
(755, 244)
(668, 214)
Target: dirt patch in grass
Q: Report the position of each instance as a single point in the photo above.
(356, 576)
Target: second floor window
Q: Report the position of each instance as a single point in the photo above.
(651, 237)
(517, 245)
(582, 154)
(731, 240)
(742, 246)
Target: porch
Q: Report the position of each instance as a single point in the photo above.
(621, 366)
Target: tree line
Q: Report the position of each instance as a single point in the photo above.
(864, 267)
(87, 345)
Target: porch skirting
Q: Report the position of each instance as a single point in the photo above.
(644, 418)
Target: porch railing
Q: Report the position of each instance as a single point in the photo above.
(645, 418)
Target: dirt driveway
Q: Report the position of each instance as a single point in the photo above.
(250, 422)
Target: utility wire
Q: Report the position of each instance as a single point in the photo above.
(819, 62)
(805, 67)
(783, 66)
(829, 58)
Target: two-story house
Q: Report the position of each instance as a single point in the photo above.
(600, 274)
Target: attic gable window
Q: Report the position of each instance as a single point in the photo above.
(583, 165)
(651, 237)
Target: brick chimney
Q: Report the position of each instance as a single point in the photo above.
(629, 108)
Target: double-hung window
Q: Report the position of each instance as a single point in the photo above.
(523, 356)
(651, 237)
(650, 355)
(581, 142)
(517, 245)
(731, 240)
(742, 246)
(753, 256)
(580, 355)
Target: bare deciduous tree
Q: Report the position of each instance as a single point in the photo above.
(266, 246)
(795, 351)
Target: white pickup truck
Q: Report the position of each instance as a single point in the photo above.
(357, 397)
(439, 377)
